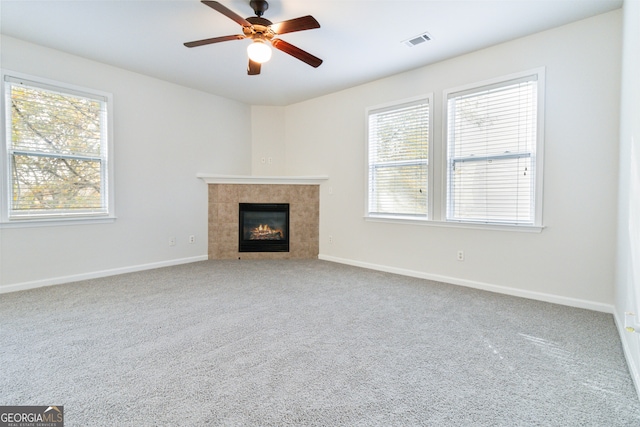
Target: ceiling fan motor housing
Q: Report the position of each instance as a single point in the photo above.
(259, 6)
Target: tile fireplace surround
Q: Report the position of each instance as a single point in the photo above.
(227, 192)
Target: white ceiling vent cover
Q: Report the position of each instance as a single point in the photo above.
(416, 40)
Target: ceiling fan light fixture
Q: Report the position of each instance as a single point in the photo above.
(259, 52)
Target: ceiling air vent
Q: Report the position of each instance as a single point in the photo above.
(414, 41)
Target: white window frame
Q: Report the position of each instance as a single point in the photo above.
(537, 223)
(57, 218)
(389, 106)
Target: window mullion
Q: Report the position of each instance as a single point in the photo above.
(54, 155)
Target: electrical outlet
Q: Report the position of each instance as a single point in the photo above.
(631, 323)
(331, 240)
(172, 241)
(460, 255)
(192, 239)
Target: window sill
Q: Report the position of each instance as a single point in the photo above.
(450, 224)
(27, 223)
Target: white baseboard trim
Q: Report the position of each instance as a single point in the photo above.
(539, 296)
(624, 338)
(97, 274)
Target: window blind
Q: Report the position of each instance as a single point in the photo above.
(57, 150)
(491, 152)
(398, 159)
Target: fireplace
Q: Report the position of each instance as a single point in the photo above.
(224, 207)
(263, 227)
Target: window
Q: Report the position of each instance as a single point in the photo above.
(56, 151)
(484, 169)
(492, 153)
(398, 157)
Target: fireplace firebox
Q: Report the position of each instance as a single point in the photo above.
(264, 227)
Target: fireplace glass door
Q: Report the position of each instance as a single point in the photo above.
(264, 227)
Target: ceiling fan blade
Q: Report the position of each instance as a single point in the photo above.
(227, 12)
(214, 40)
(296, 52)
(298, 24)
(254, 68)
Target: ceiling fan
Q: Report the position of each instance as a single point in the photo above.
(263, 31)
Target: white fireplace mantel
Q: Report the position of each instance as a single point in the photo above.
(247, 179)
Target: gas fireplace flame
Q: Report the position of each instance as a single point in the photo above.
(265, 232)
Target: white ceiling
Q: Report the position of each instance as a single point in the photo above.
(359, 40)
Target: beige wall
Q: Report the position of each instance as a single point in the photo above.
(572, 260)
(163, 135)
